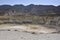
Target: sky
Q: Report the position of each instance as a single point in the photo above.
(27, 2)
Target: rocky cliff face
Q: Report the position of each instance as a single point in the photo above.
(41, 20)
(31, 14)
(29, 10)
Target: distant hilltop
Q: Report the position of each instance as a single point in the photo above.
(31, 9)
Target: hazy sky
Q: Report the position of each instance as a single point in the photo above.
(27, 2)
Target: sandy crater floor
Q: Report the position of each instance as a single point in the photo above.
(15, 35)
(29, 28)
(27, 32)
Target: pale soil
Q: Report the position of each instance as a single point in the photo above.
(29, 28)
(24, 32)
(15, 35)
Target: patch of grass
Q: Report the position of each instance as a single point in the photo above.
(34, 27)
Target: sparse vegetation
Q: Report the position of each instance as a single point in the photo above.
(42, 20)
(30, 14)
